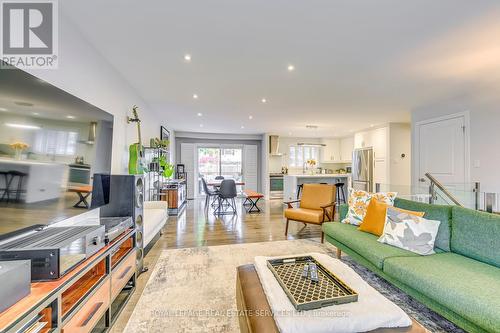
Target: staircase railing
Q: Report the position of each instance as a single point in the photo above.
(433, 194)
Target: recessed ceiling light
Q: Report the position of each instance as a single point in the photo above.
(3, 109)
(372, 125)
(291, 68)
(250, 117)
(195, 96)
(70, 117)
(201, 125)
(263, 100)
(25, 126)
(199, 114)
(35, 113)
(242, 127)
(187, 57)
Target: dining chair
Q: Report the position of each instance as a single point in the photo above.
(227, 194)
(210, 195)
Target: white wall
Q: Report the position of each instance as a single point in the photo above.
(400, 143)
(84, 73)
(484, 136)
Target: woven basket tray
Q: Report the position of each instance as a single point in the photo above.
(306, 294)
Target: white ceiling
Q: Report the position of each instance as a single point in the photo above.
(357, 62)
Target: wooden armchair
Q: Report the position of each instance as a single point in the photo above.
(317, 205)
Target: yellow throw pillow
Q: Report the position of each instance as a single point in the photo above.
(374, 220)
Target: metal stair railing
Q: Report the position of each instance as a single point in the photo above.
(433, 194)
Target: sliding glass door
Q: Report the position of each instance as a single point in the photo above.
(219, 161)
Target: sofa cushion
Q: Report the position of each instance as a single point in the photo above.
(363, 243)
(476, 235)
(432, 212)
(465, 286)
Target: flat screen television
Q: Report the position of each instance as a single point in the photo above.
(51, 145)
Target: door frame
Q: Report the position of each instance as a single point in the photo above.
(416, 153)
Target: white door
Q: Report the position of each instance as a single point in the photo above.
(250, 167)
(188, 159)
(442, 150)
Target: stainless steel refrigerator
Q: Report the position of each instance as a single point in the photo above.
(362, 169)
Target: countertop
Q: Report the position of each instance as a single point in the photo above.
(327, 175)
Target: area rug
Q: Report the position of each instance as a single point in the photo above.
(193, 289)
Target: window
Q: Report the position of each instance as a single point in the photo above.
(298, 155)
(56, 142)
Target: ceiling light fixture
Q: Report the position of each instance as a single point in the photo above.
(372, 125)
(291, 68)
(24, 126)
(187, 57)
(70, 117)
(263, 100)
(3, 109)
(201, 125)
(289, 133)
(195, 96)
(242, 127)
(250, 117)
(199, 114)
(35, 113)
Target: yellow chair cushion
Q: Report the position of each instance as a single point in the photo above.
(304, 215)
(376, 212)
(316, 195)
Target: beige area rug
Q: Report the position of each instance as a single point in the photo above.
(193, 290)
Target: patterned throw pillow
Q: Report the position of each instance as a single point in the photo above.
(359, 201)
(409, 232)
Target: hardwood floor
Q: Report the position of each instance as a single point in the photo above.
(195, 227)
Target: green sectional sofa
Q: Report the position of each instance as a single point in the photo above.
(461, 281)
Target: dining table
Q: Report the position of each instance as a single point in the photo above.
(216, 183)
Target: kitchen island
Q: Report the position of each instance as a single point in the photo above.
(290, 182)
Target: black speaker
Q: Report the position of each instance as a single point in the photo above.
(123, 195)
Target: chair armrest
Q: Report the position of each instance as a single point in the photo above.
(289, 203)
(329, 205)
(326, 213)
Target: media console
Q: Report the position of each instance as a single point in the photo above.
(89, 298)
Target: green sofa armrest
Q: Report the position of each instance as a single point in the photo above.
(343, 209)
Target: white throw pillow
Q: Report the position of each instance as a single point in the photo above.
(409, 232)
(359, 201)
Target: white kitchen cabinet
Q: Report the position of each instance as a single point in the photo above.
(363, 139)
(379, 139)
(346, 148)
(389, 144)
(331, 150)
(380, 171)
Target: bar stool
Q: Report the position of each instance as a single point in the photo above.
(340, 193)
(10, 176)
(301, 186)
(299, 189)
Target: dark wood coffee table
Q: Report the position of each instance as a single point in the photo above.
(255, 313)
